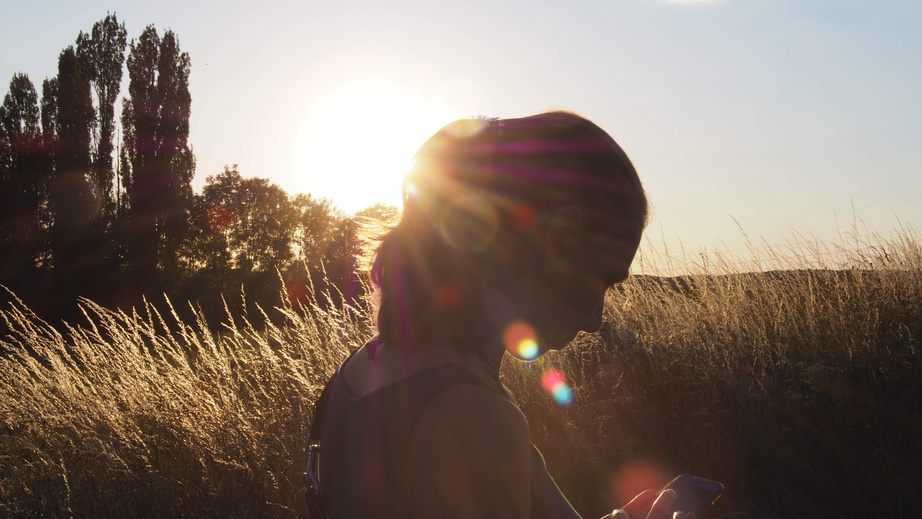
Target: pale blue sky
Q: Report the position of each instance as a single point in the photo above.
(779, 113)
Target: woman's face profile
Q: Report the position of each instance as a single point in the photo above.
(566, 294)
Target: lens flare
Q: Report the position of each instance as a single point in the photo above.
(555, 383)
(552, 378)
(520, 340)
(634, 478)
(469, 223)
(412, 190)
(523, 216)
(219, 218)
(447, 294)
(528, 349)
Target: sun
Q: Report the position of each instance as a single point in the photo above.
(358, 141)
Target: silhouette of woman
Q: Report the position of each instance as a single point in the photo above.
(510, 234)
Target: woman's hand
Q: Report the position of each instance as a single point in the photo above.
(644, 506)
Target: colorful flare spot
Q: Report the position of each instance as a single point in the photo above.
(447, 294)
(528, 349)
(218, 218)
(297, 293)
(633, 479)
(563, 395)
(555, 383)
(523, 217)
(552, 378)
(520, 340)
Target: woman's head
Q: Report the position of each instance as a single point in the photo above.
(503, 222)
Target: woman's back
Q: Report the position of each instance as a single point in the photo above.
(428, 445)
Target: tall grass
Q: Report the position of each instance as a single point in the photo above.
(798, 387)
(143, 415)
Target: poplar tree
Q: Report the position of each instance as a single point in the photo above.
(23, 185)
(102, 56)
(74, 205)
(159, 164)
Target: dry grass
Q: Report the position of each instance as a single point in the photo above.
(147, 416)
(798, 387)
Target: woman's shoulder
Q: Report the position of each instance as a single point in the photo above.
(469, 456)
(476, 407)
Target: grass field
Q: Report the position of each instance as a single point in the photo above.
(798, 387)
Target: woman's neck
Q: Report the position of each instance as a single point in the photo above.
(483, 357)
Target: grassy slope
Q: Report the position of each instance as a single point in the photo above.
(799, 389)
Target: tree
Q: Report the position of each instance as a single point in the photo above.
(49, 111)
(252, 219)
(340, 259)
(317, 222)
(159, 164)
(73, 203)
(102, 54)
(267, 226)
(23, 185)
(241, 235)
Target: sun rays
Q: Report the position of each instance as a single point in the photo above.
(358, 141)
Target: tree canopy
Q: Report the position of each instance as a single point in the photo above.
(79, 220)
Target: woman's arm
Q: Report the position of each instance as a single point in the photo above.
(547, 500)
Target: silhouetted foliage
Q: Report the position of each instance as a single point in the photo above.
(341, 256)
(159, 164)
(239, 228)
(67, 230)
(24, 215)
(317, 220)
(256, 218)
(247, 236)
(74, 205)
(315, 233)
(102, 54)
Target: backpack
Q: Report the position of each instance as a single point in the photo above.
(313, 494)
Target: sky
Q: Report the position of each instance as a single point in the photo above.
(748, 120)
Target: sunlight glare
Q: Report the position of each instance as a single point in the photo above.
(555, 383)
(520, 340)
(358, 141)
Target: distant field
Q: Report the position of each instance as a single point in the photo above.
(799, 388)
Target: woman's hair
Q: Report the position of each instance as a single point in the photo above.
(476, 193)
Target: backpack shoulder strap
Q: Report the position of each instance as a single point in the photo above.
(313, 494)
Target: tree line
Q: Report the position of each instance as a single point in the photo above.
(87, 213)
